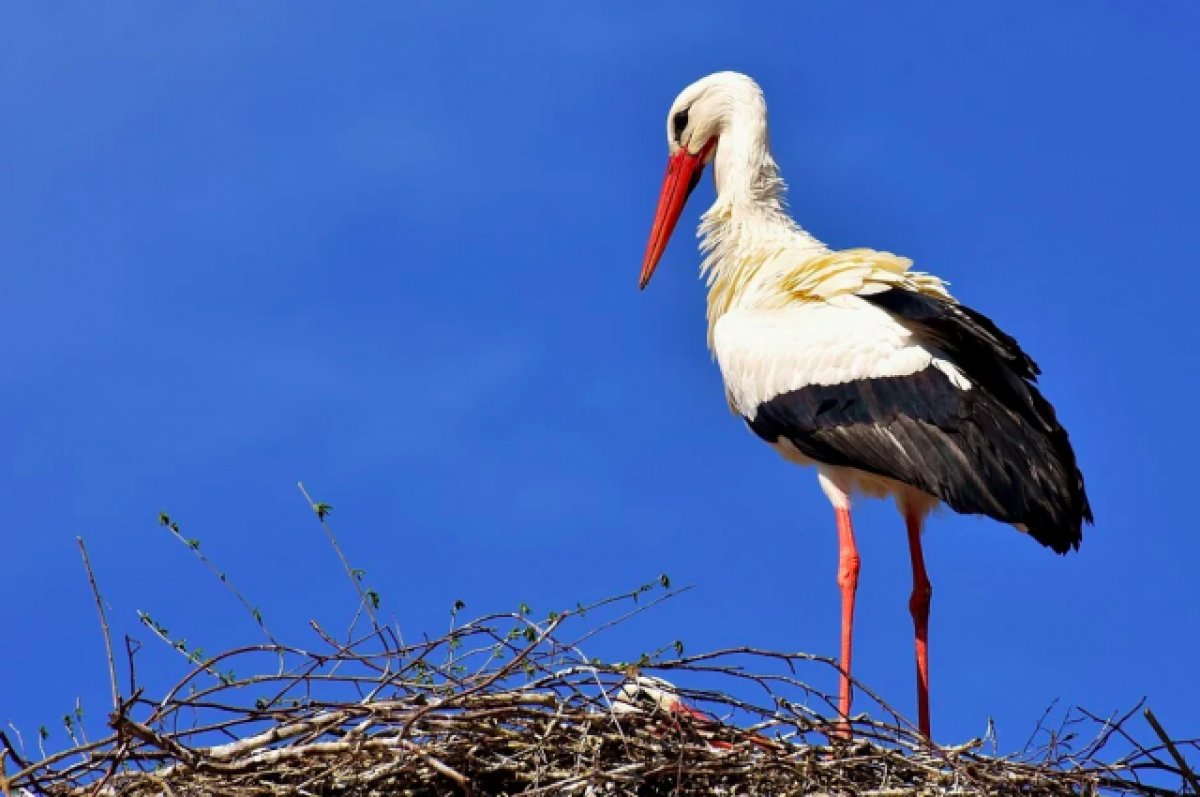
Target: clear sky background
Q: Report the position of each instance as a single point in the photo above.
(391, 249)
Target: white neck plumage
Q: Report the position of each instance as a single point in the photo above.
(748, 235)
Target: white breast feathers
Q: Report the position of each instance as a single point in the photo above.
(763, 353)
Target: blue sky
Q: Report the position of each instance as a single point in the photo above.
(392, 251)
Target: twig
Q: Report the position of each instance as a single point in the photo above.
(130, 652)
(159, 632)
(1166, 740)
(112, 667)
(499, 705)
(16, 756)
(320, 511)
(194, 546)
(112, 769)
(641, 608)
(441, 767)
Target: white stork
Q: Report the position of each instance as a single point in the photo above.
(853, 362)
(645, 693)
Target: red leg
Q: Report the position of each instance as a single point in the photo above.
(848, 564)
(918, 606)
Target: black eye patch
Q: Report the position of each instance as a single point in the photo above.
(680, 122)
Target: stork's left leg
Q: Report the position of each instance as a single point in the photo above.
(848, 566)
(918, 606)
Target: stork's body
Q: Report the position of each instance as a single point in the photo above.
(854, 363)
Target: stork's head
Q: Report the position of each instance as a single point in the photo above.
(700, 115)
(646, 693)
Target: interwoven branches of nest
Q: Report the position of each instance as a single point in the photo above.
(511, 705)
(507, 704)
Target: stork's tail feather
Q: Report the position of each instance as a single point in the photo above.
(1059, 523)
(1062, 530)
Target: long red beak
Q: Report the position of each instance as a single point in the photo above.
(683, 175)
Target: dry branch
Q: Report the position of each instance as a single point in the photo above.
(112, 668)
(509, 705)
(510, 709)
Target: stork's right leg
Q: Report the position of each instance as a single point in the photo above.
(918, 605)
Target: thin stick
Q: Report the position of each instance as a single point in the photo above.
(1166, 740)
(130, 652)
(562, 728)
(20, 759)
(4, 780)
(112, 667)
(112, 770)
(337, 548)
(194, 547)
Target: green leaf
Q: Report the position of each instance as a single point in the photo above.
(665, 580)
(322, 510)
(644, 661)
(373, 597)
(530, 634)
(459, 606)
(164, 519)
(357, 574)
(42, 732)
(678, 647)
(67, 722)
(193, 544)
(524, 608)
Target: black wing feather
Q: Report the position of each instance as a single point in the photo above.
(996, 449)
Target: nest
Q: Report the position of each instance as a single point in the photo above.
(509, 704)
